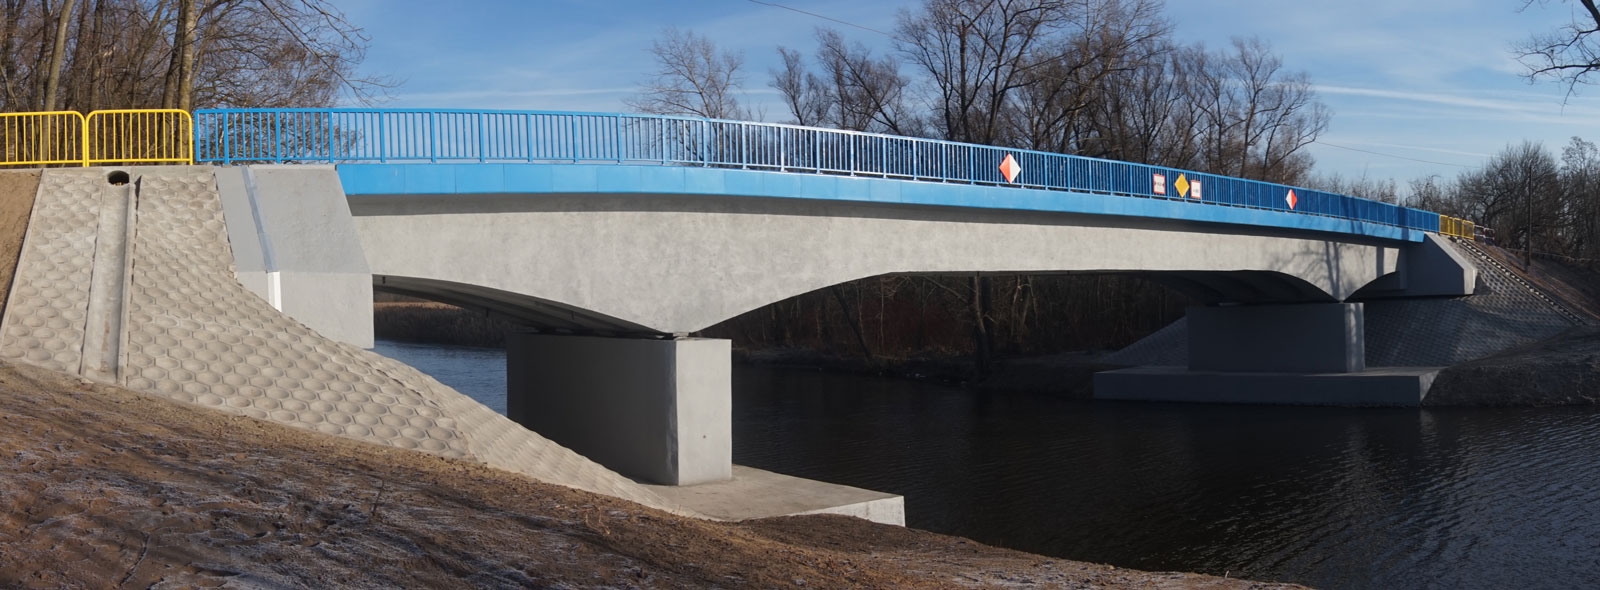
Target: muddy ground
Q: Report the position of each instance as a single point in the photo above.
(102, 487)
(17, 190)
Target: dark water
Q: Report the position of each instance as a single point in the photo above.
(1327, 497)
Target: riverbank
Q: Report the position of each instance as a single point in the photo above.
(105, 487)
(1561, 371)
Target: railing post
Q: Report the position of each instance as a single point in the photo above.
(227, 137)
(572, 127)
(853, 167)
(528, 126)
(617, 129)
(663, 140)
(330, 115)
(483, 155)
(383, 138)
(433, 137)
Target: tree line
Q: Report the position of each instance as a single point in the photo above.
(108, 54)
(1100, 78)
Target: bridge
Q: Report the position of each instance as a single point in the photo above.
(615, 237)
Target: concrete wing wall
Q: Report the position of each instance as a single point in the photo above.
(679, 264)
(295, 246)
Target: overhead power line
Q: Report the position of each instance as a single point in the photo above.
(1334, 145)
(826, 18)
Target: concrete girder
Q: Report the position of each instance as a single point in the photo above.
(677, 264)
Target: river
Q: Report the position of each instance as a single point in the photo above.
(1335, 498)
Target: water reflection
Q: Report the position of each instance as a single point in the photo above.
(1358, 498)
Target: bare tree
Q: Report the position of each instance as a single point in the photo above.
(57, 56)
(977, 54)
(692, 78)
(802, 91)
(1376, 189)
(1568, 54)
(854, 90)
(1100, 40)
(1580, 202)
(866, 93)
(1518, 193)
(1255, 118)
(179, 53)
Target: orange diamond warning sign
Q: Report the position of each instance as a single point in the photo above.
(1010, 168)
(1291, 199)
(1158, 184)
(1182, 184)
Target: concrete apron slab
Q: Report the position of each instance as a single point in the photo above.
(752, 493)
(1388, 386)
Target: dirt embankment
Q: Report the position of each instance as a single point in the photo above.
(17, 190)
(1564, 370)
(102, 487)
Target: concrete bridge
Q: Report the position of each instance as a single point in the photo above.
(614, 237)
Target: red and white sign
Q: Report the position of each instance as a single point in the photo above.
(1010, 168)
(1291, 199)
(1158, 184)
(1194, 189)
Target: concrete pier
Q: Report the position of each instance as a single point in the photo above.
(658, 411)
(1293, 338)
(1298, 354)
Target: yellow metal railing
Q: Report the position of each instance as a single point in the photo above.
(138, 136)
(42, 139)
(1455, 226)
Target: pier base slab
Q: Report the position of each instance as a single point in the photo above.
(1389, 386)
(753, 493)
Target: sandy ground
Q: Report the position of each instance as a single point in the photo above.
(17, 189)
(101, 488)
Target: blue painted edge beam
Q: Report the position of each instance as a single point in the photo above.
(479, 179)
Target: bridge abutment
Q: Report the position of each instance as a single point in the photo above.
(658, 411)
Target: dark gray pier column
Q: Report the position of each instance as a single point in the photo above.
(659, 411)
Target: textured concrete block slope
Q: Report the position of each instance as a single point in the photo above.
(194, 334)
(49, 302)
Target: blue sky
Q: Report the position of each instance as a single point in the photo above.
(1420, 79)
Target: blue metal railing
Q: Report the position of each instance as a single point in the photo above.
(415, 135)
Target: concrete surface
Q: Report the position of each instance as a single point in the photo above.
(1391, 386)
(194, 334)
(658, 411)
(1430, 268)
(108, 286)
(677, 264)
(299, 250)
(753, 493)
(1303, 338)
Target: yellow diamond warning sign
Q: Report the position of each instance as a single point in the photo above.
(1010, 168)
(1182, 184)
